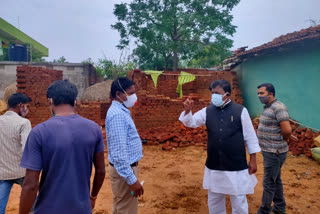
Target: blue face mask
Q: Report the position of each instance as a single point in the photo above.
(216, 100)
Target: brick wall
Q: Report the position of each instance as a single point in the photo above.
(34, 82)
(161, 106)
(167, 85)
(94, 77)
(156, 107)
(157, 110)
(95, 111)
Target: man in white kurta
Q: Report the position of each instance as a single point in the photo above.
(236, 183)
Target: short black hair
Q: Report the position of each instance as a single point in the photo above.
(120, 84)
(17, 98)
(223, 84)
(269, 88)
(62, 92)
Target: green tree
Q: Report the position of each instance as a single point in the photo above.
(88, 61)
(61, 60)
(37, 57)
(166, 31)
(112, 70)
(212, 54)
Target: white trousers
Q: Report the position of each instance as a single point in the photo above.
(217, 203)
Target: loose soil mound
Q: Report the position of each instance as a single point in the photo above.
(98, 92)
(8, 91)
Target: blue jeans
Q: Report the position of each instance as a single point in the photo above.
(5, 189)
(272, 183)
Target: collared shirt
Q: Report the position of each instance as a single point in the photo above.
(227, 182)
(123, 140)
(14, 131)
(269, 130)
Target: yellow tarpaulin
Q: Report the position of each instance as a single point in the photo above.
(154, 76)
(182, 79)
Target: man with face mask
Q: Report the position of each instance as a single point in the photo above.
(274, 128)
(124, 148)
(14, 130)
(230, 131)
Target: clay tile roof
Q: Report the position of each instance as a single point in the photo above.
(310, 33)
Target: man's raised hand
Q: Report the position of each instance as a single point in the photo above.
(188, 105)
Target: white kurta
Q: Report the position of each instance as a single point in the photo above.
(228, 182)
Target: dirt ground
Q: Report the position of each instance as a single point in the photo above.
(173, 184)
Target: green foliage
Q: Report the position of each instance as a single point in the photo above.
(88, 61)
(37, 57)
(61, 60)
(165, 31)
(212, 54)
(112, 70)
(5, 56)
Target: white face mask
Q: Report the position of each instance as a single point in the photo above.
(131, 100)
(216, 99)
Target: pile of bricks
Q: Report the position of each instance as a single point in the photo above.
(34, 82)
(175, 135)
(305, 139)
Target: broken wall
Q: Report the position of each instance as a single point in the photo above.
(161, 106)
(34, 82)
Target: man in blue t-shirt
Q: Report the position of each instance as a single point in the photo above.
(63, 150)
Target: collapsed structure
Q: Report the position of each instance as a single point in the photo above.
(157, 111)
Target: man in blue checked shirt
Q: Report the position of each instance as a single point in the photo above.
(124, 148)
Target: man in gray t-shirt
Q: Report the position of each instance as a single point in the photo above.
(273, 131)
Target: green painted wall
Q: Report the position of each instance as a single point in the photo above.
(296, 77)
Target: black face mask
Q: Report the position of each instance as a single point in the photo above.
(264, 99)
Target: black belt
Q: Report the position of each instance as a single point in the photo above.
(132, 165)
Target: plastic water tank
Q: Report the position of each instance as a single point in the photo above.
(18, 53)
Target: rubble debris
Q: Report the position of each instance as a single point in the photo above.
(175, 135)
(305, 137)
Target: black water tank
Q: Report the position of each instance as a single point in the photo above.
(18, 53)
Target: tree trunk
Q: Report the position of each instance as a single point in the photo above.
(175, 60)
(175, 49)
(166, 64)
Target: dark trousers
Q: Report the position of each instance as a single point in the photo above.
(272, 184)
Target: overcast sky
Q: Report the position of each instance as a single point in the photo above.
(78, 29)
